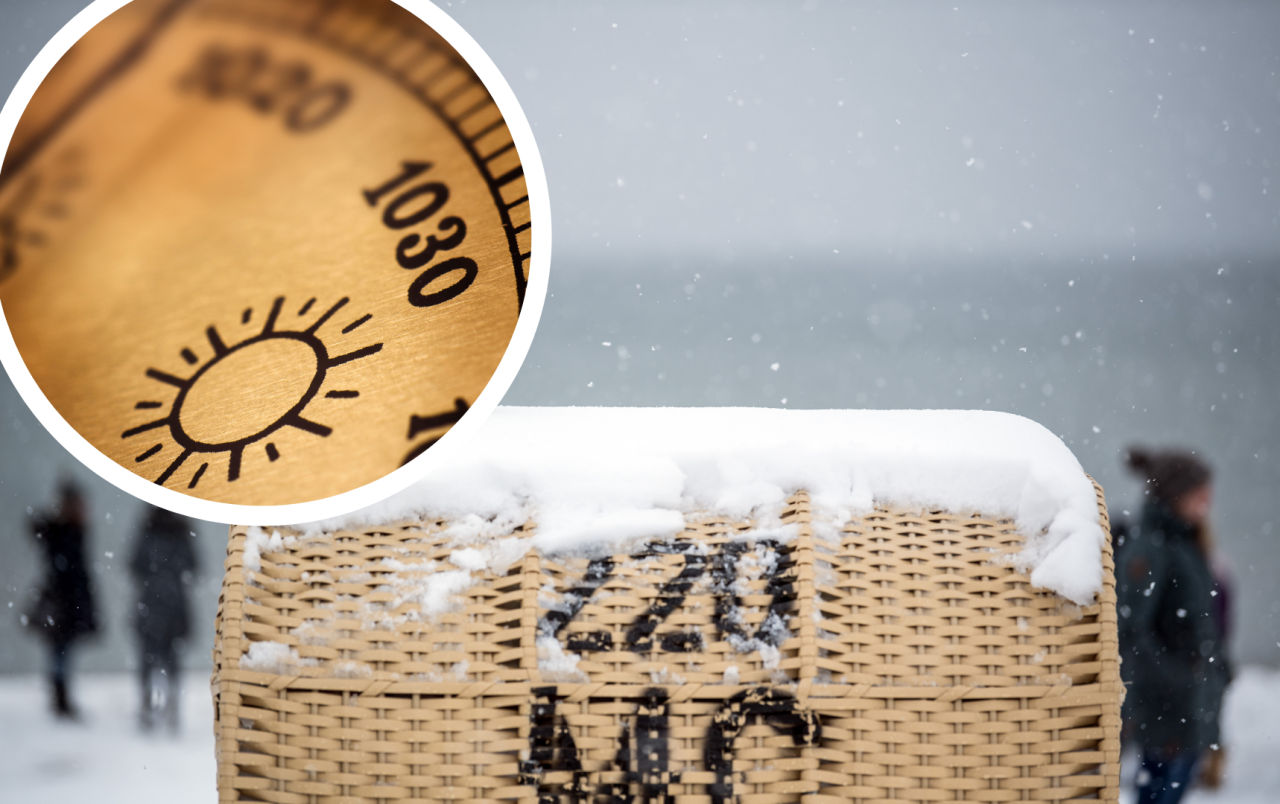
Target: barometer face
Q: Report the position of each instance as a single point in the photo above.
(265, 252)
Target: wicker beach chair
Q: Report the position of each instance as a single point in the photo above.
(894, 657)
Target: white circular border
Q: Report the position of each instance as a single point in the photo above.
(448, 446)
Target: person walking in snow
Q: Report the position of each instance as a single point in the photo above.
(63, 610)
(163, 564)
(1174, 660)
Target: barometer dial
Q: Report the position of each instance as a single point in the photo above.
(262, 251)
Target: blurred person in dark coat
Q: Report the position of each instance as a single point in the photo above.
(1174, 659)
(63, 610)
(1213, 762)
(163, 565)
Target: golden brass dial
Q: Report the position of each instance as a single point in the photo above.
(262, 251)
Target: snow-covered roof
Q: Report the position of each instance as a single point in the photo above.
(595, 478)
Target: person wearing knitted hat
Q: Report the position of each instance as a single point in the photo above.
(1174, 660)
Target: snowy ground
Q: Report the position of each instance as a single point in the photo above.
(105, 759)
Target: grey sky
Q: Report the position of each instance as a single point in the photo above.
(922, 126)
(1148, 128)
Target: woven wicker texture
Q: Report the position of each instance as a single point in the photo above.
(896, 658)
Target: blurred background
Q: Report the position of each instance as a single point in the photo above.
(1068, 212)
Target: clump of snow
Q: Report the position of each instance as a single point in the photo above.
(665, 676)
(437, 593)
(274, 657)
(556, 664)
(470, 528)
(258, 542)
(349, 669)
(564, 529)
(770, 656)
(599, 479)
(309, 634)
(1066, 559)
(468, 558)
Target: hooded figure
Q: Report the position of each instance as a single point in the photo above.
(63, 611)
(162, 564)
(1174, 660)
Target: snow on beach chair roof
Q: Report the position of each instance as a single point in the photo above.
(599, 478)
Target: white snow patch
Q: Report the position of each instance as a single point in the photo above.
(494, 554)
(437, 593)
(1066, 558)
(258, 542)
(555, 664)
(467, 528)
(565, 529)
(459, 670)
(595, 479)
(468, 558)
(349, 669)
(310, 634)
(665, 676)
(769, 655)
(274, 657)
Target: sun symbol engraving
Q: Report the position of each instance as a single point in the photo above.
(248, 390)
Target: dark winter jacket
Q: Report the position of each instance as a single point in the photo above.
(1173, 658)
(162, 564)
(64, 609)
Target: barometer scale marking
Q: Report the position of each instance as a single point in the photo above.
(257, 14)
(311, 32)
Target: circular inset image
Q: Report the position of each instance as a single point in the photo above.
(258, 256)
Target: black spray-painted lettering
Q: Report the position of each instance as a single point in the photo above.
(553, 622)
(723, 567)
(670, 599)
(772, 631)
(642, 761)
(776, 708)
(551, 748)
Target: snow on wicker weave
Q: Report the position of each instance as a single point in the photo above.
(598, 478)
